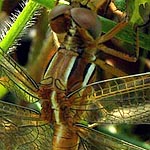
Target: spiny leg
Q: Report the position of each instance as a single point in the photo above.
(106, 67)
(109, 35)
(116, 11)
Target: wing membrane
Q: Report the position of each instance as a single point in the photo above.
(99, 141)
(25, 126)
(17, 81)
(119, 100)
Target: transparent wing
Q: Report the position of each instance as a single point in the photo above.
(17, 81)
(22, 129)
(119, 100)
(96, 140)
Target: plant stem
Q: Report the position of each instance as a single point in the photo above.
(1, 4)
(19, 25)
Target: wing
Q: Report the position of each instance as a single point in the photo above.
(96, 140)
(119, 100)
(22, 129)
(17, 80)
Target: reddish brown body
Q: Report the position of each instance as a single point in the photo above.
(70, 69)
(64, 75)
(65, 138)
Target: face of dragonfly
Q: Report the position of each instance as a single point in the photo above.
(69, 94)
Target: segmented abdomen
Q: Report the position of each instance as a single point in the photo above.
(65, 138)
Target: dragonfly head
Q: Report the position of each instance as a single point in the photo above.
(62, 16)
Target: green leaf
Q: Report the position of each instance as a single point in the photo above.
(46, 3)
(127, 34)
(120, 4)
(134, 8)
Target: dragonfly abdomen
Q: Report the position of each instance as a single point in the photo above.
(64, 138)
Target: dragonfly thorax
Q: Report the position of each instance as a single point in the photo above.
(73, 39)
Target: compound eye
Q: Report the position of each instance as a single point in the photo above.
(60, 18)
(58, 11)
(87, 19)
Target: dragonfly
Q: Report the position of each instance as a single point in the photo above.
(69, 93)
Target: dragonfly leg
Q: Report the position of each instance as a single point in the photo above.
(116, 11)
(110, 34)
(115, 71)
(119, 54)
